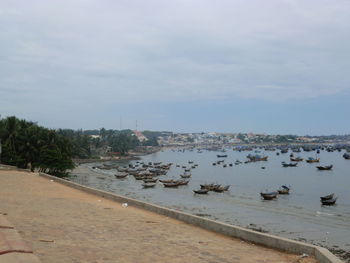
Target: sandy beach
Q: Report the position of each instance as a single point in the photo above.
(65, 225)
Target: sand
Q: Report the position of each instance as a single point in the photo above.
(66, 225)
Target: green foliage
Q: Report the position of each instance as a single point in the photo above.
(91, 132)
(152, 137)
(190, 139)
(119, 141)
(241, 136)
(80, 142)
(152, 141)
(27, 144)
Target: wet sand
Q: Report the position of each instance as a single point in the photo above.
(65, 225)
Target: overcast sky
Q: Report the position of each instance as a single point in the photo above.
(274, 66)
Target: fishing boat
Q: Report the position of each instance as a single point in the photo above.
(185, 175)
(150, 180)
(285, 150)
(346, 156)
(328, 167)
(220, 189)
(313, 160)
(209, 187)
(122, 169)
(269, 195)
(327, 197)
(289, 164)
(284, 190)
(167, 181)
(173, 184)
(201, 191)
(148, 185)
(222, 156)
(329, 201)
(182, 182)
(256, 158)
(296, 159)
(121, 175)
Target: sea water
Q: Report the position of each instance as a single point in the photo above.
(298, 216)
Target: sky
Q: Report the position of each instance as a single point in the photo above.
(264, 66)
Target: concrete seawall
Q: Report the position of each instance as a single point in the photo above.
(321, 254)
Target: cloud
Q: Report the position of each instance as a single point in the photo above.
(128, 52)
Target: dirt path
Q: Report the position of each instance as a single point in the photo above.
(65, 225)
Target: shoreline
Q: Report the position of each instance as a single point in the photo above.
(87, 228)
(341, 253)
(311, 235)
(132, 155)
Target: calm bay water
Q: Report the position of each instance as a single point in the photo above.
(298, 216)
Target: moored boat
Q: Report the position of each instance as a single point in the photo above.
(284, 190)
(150, 180)
(296, 159)
(121, 175)
(329, 201)
(210, 187)
(167, 181)
(327, 197)
(148, 185)
(346, 156)
(221, 189)
(201, 191)
(256, 158)
(122, 169)
(289, 164)
(269, 195)
(173, 184)
(328, 167)
(182, 182)
(313, 160)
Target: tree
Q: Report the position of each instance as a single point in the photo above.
(27, 144)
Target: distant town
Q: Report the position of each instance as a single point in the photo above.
(216, 138)
(245, 138)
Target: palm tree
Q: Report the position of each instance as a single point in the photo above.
(11, 132)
